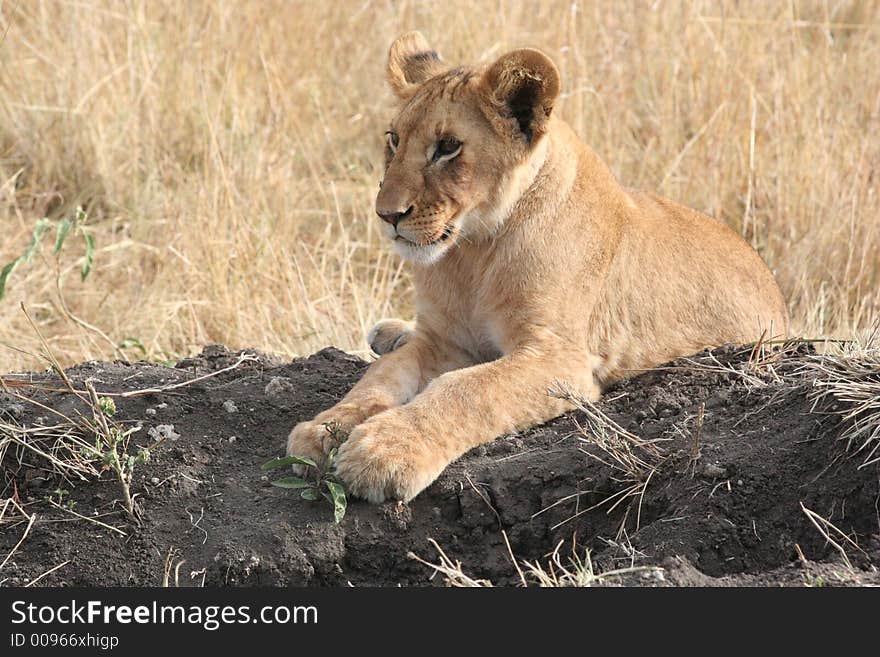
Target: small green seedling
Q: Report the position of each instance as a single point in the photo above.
(65, 230)
(133, 343)
(319, 480)
(57, 497)
(62, 229)
(111, 446)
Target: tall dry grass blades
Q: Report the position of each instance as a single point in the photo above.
(57, 447)
(575, 571)
(829, 531)
(228, 153)
(12, 514)
(851, 383)
(451, 571)
(580, 572)
(633, 459)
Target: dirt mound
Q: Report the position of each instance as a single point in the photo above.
(740, 453)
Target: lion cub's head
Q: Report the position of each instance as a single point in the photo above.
(464, 146)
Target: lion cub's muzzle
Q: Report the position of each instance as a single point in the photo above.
(417, 227)
(394, 217)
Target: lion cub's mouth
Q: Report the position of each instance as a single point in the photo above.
(447, 233)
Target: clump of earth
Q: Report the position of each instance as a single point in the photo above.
(744, 481)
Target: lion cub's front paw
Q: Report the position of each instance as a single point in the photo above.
(309, 440)
(386, 457)
(388, 335)
(315, 438)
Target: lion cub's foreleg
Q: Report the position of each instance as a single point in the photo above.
(392, 380)
(397, 453)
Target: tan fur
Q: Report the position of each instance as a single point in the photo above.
(531, 264)
(389, 334)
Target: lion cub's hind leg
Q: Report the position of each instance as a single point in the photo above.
(388, 335)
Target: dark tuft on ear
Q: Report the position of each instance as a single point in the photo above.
(411, 61)
(520, 89)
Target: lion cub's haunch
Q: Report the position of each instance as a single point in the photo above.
(531, 264)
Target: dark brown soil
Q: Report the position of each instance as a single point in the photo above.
(726, 514)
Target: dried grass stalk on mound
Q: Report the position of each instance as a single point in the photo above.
(633, 459)
(80, 449)
(58, 448)
(85, 445)
(827, 529)
(89, 444)
(579, 571)
(758, 365)
(12, 514)
(450, 570)
(576, 571)
(850, 382)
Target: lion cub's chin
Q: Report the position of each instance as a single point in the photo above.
(422, 254)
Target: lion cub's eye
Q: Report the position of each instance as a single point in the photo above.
(393, 140)
(446, 149)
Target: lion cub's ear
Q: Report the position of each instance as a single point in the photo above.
(411, 61)
(523, 86)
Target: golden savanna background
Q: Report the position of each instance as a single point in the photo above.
(227, 154)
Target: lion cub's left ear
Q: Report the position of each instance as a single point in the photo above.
(521, 88)
(411, 61)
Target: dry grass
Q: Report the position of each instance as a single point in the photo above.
(849, 384)
(12, 514)
(228, 153)
(633, 460)
(574, 571)
(451, 571)
(827, 529)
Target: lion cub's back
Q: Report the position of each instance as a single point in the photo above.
(690, 282)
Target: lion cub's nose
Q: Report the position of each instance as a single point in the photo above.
(394, 218)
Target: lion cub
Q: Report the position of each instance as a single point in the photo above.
(531, 264)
